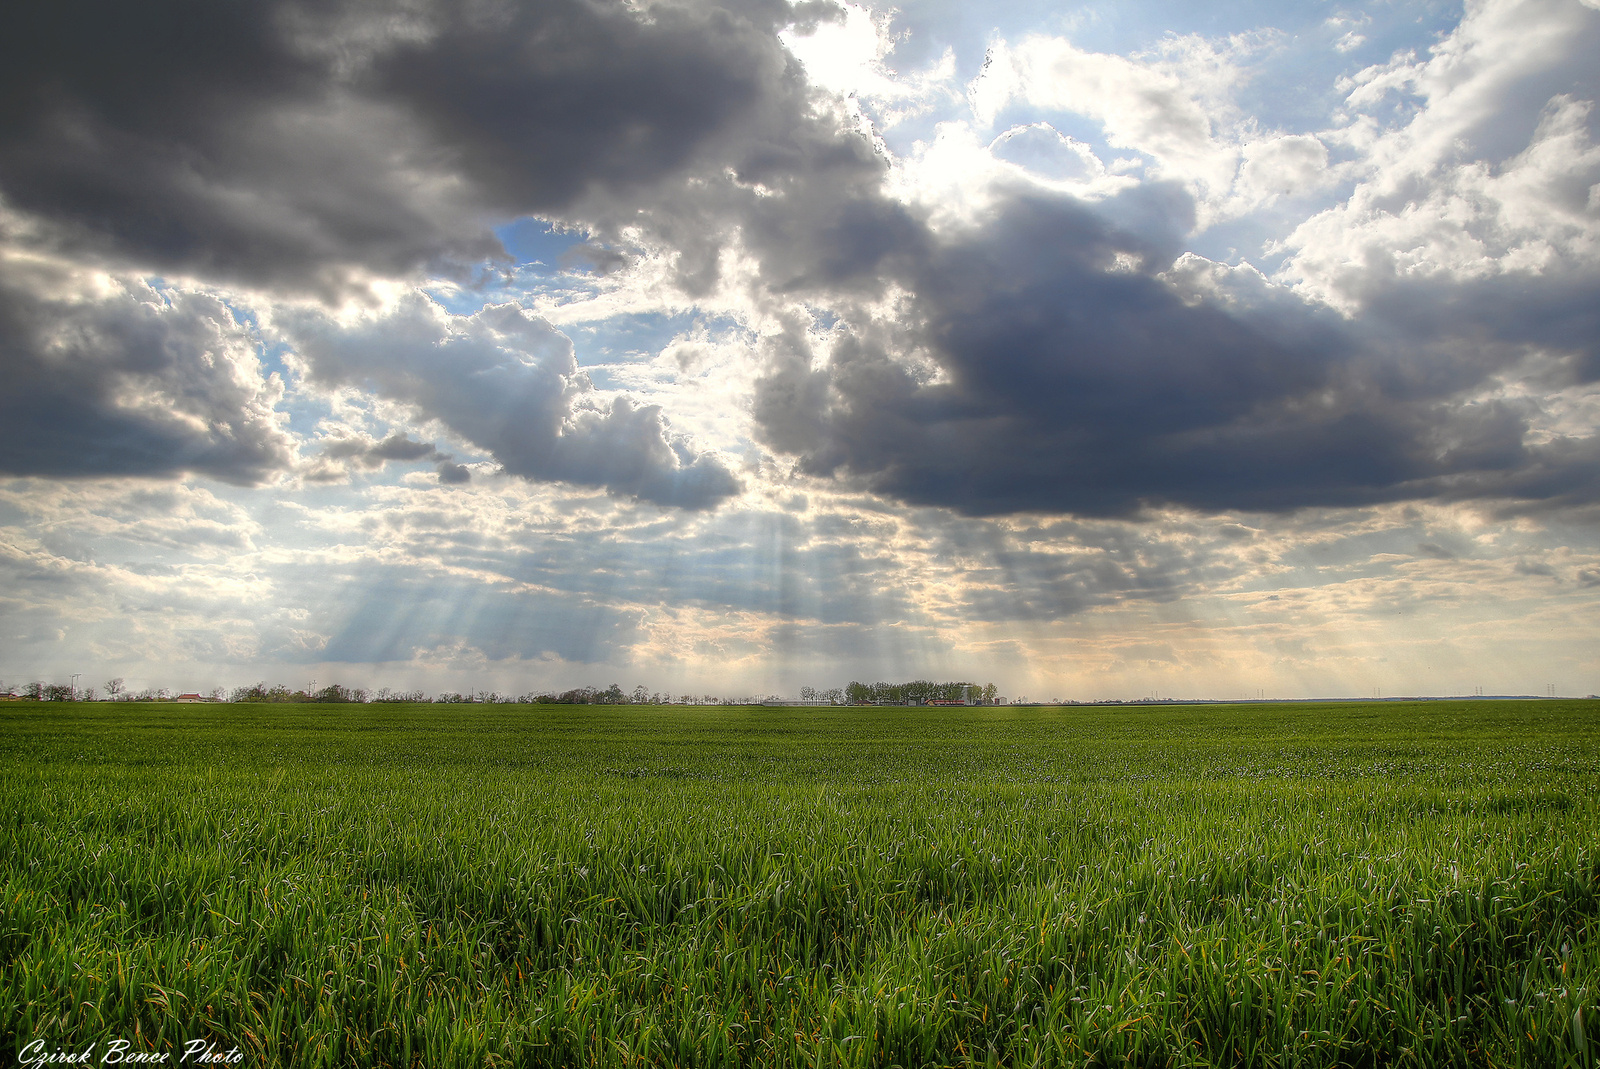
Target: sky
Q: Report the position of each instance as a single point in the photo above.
(1096, 350)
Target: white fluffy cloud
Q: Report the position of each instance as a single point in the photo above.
(1175, 105)
(1496, 170)
(1143, 106)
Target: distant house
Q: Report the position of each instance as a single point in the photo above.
(188, 698)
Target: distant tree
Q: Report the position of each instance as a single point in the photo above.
(641, 694)
(386, 695)
(114, 688)
(612, 695)
(58, 692)
(337, 694)
(808, 694)
(916, 692)
(90, 695)
(261, 692)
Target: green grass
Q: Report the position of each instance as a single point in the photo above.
(1373, 884)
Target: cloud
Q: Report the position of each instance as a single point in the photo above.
(220, 142)
(341, 453)
(1174, 104)
(333, 151)
(1530, 215)
(1038, 354)
(1046, 353)
(847, 55)
(1488, 174)
(1043, 150)
(308, 148)
(1141, 106)
(110, 375)
(1287, 165)
(1043, 365)
(508, 382)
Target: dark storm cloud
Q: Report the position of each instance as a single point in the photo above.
(1044, 367)
(1557, 312)
(287, 143)
(507, 381)
(544, 103)
(215, 140)
(133, 381)
(305, 145)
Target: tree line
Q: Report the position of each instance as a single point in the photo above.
(915, 692)
(338, 694)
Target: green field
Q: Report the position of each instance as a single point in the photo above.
(1354, 884)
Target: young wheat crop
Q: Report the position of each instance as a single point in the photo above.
(495, 885)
